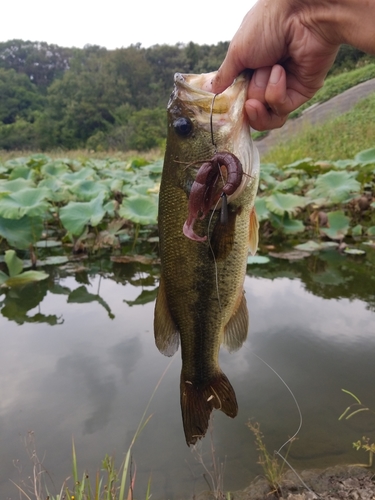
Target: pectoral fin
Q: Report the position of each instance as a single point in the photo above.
(253, 232)
(235, 331)
(167, 337)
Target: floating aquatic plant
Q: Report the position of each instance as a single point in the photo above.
(16, 276)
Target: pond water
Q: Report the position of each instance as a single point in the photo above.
(78, 359)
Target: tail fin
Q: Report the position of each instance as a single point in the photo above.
(197, 403)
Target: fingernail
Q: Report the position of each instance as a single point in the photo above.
(261, 77)
(275, 74)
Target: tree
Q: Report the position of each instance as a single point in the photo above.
(41, 62)
(19, 97)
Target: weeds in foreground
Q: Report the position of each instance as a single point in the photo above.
(214, 475)
(110, 483)
(365, 443)
(272, 468)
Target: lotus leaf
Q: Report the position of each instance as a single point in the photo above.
(48, 244)
(335, 187)
(286, 184)
(14, 186)
(13, 263)
(16, 276)
(270, 168)
(115, 184)
(261, 209)
(139, 209)
(366, 156)
(25, 278)
(84, 173)
(37, 160)
(266, 181)
(59, 191)
(292, 226)
(86, 190)
(280, 203)
(371, 231)
(309, 246)
(338, 225)
(357, 230)
(23, 172)
(51, 260)
(22, 232)
(306, 164)
(258, 259)
(138, 189)
(285, 224)
(16, 162)
(155, 168)
(76, 215)
(345, 164)
(54, 169)
(28, 201)
(354, 251)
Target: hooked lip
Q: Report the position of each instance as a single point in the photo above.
(191, 88)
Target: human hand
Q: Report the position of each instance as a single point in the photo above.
(290, 52)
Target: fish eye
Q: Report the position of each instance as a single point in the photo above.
(183, 126)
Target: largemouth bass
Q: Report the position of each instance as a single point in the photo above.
(207, 223)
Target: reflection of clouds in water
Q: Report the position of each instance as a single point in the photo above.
(84, 373)
(126, 355)
(278, 304)
(283, 313)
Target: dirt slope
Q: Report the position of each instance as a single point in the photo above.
(317, 113)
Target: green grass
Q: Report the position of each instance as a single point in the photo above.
(337, 84)
(339, 138)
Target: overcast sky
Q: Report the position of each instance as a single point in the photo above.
(120, 23)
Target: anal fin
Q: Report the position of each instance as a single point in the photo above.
(253, 232)
(235, 331)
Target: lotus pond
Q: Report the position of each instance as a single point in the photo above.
(78, 358)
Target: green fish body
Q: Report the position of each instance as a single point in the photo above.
(201, 302)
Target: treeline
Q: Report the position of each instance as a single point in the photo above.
(55, 97)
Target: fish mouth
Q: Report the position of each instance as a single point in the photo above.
(223, 117)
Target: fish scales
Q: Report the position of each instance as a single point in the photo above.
(200, 302)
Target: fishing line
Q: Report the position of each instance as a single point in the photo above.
(216, 205)
(213, 253)
(211, 126)
(278, 452)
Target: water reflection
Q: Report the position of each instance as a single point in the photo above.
(78, 358)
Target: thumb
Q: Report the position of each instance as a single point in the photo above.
(226, 74)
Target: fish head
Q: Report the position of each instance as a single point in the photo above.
(201, 123)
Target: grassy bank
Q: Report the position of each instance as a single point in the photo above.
(337, 84)
(341, 137)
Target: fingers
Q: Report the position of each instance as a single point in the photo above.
(227, 72)
(271, 97)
